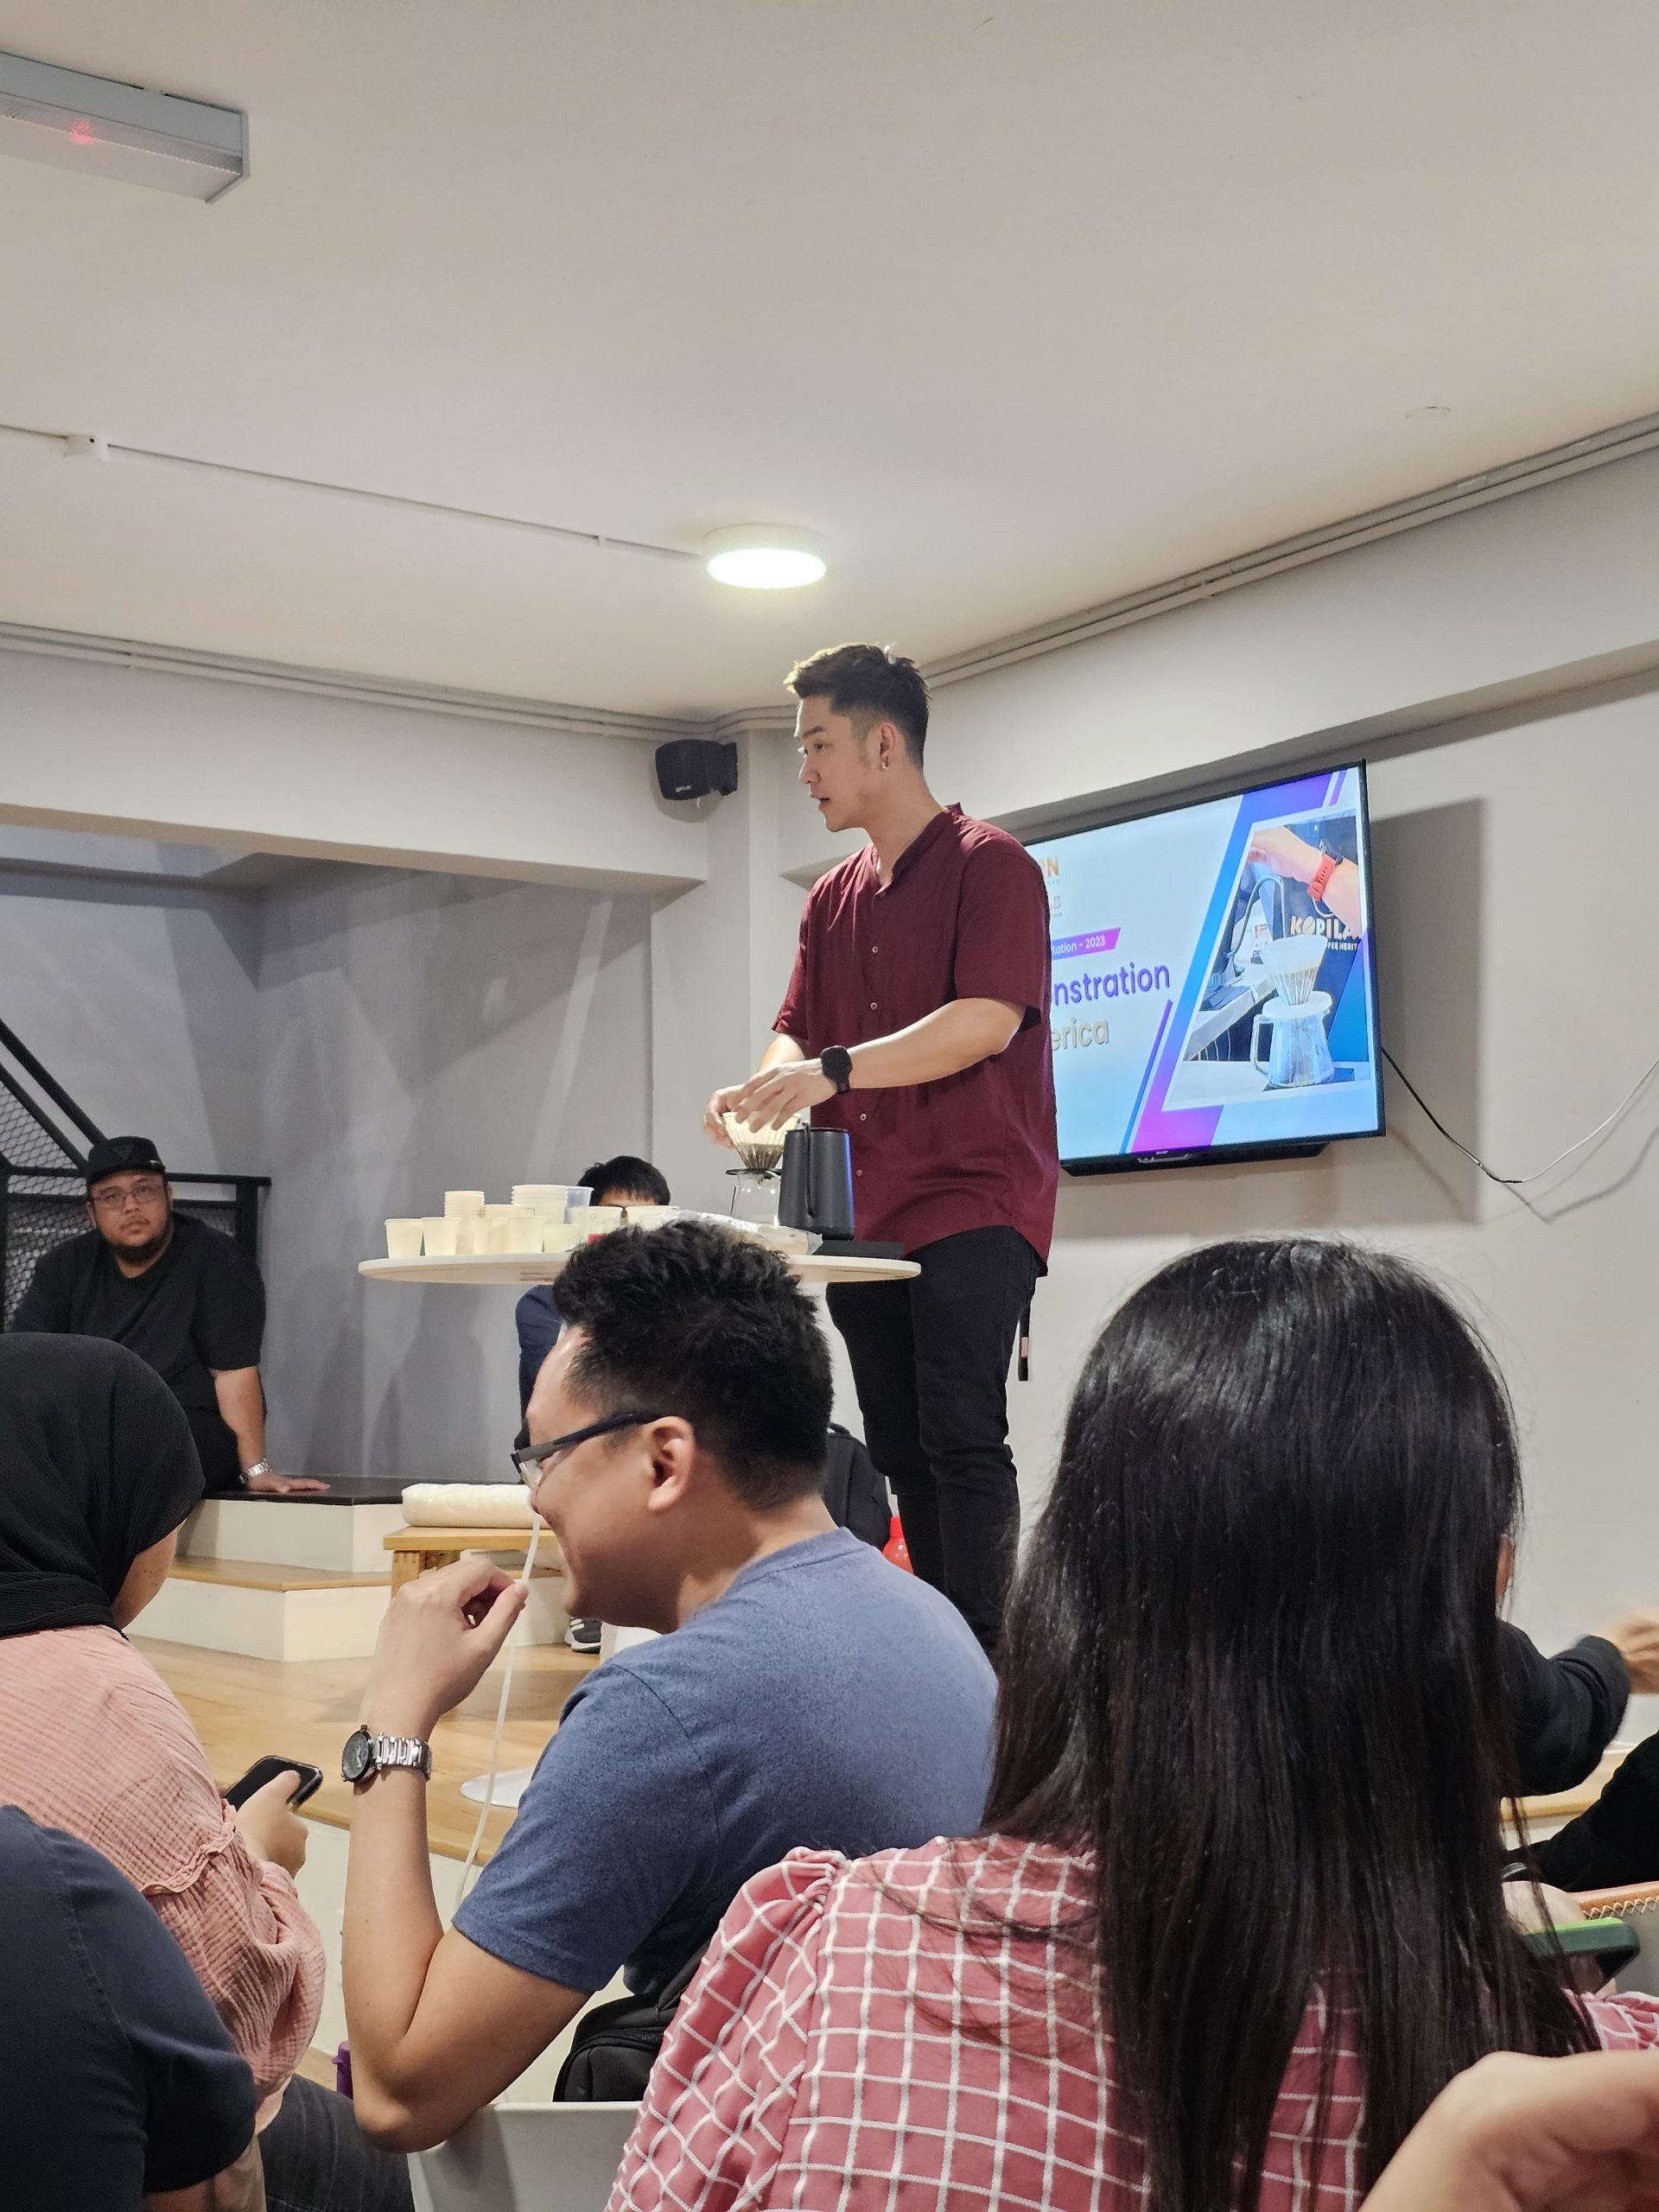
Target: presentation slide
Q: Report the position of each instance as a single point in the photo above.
(1213, 981)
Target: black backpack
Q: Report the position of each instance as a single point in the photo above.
(854, 1489)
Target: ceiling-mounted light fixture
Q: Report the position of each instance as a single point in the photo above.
(72, 121)
(764, 556)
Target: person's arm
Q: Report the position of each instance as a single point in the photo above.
(438, 2025)
(1562, 1711)
(1517, 2134)
(1288, 854)
(44, 1307)
(242, 1409)
(941, 1044)
(1617, 1841)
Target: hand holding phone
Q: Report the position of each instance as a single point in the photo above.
(267, 1769)
(265, 1817)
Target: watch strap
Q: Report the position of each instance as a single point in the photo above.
(838, 1063)
(402, 1751)
(1321, 877)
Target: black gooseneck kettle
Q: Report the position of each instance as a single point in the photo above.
(817, 1182)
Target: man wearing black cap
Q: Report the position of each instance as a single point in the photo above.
(186, 1299)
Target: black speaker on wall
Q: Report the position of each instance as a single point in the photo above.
(691, 767)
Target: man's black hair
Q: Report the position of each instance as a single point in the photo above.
(626, 1172)
(871, 683)
(701, 1321)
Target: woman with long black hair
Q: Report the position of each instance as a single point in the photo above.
(1234, 1918)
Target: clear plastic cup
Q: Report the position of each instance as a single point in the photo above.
(403, 1238)
(439, 1235)
(578, 1196)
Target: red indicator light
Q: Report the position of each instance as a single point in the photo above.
(82, 132)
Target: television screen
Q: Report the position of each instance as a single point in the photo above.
(1213, 986)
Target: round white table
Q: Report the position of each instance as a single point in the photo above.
(522, 1268)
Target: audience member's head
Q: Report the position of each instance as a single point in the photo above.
(698, 1346)
(627, 1180)
(96, 1471)
(1251, 1668)
(128, 1201)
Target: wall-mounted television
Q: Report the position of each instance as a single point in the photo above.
(1214, 993)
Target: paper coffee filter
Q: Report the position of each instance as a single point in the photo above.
(759, 1149)
(1293, 963)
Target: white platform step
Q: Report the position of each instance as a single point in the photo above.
(289, 1532)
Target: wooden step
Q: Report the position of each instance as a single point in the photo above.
(261, 1575)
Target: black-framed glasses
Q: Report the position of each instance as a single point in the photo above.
(530, 1459)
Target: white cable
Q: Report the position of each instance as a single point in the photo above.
(471, 1860)
(1517, 1182)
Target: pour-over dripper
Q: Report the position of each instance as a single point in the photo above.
(1293, 963)
(761, 1149)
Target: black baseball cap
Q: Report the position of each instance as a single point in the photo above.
(120, 1156)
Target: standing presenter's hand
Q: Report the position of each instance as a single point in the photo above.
(776, 1095)
(436, 1644)
(721, 1102)
(275, 1485)
(1534, 2135)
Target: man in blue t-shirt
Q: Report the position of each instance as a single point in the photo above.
(802, 1690)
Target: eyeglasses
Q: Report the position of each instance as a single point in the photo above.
(138, 1194)
(530, 1459)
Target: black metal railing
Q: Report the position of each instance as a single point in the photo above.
(43, 1134)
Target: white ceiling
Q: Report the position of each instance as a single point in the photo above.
(1023, 304)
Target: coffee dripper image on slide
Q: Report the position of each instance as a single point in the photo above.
(1298, 1051)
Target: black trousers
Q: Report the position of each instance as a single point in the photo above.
(217, 1449)
(931, 1360)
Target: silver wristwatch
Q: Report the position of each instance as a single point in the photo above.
(259, 1467)
(365, 1756)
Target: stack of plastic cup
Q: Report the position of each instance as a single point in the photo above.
(466, 1210)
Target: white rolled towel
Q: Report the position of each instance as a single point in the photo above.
(467, 1505)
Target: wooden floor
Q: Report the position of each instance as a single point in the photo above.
(305, 1709)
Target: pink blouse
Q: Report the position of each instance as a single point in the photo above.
(840, 2050)
(92, 1741)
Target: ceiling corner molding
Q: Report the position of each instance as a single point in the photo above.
(555, 716)
(1622, 442)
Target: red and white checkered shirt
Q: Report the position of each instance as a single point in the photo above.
(838, 2050)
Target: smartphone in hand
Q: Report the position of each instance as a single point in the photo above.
(267, 1769)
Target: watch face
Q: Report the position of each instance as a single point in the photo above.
(358, 1758)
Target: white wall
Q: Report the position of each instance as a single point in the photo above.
(1517, 988)
(367, 1037)
(141, 999)
(420, 1033)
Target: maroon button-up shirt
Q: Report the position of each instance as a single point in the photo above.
(965, 917)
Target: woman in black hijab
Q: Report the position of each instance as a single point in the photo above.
(97, 1470)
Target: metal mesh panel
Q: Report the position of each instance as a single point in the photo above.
(42, 1212)
(23, 1141)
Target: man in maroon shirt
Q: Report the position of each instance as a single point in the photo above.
(917, 1019)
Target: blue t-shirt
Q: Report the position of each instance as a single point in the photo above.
(825, 1698)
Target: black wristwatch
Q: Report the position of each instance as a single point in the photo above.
(838, 1063)
(365, 1756)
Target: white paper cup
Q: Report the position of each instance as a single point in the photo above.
(549, 1199)
(518, 1231)
(595, 1221)
(469, 1234)
(650, 1217)
(560, 1236)
(439, 1233)
(404, 1238)
(493, 1212)
(463, 1205)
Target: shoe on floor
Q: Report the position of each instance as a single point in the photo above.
(582, 1635)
